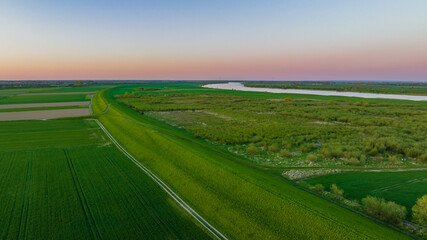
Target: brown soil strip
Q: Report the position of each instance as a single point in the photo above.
(45, 114)
(54, 104)
(62, 93)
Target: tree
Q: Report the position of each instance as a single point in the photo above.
(419, 211)
(336, 190)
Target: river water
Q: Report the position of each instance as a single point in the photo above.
(240, 87)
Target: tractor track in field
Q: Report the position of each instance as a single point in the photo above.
(90, 221)
(217, 234)
(398, 185)
(22, 230)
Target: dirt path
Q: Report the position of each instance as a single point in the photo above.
(54, 104)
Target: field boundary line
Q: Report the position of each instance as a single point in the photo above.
(90, 105)
(217, 234)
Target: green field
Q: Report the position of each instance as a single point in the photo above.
(63, 179)
(242, 201)
(402, 187)
(17, 99)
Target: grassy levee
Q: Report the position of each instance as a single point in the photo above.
(241, 201)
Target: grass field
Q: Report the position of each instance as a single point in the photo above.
(402, 187)
(62, 179)
(17, 99)
(242, 201)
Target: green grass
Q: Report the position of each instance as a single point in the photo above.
(62, 179)
(40, 108)
(19, 99)
(244, 202)
(402, 187)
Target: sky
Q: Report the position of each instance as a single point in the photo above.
(213, 40)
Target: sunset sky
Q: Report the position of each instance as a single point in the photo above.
(218, 39)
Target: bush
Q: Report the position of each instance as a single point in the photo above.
(387, 211)
(284, 153)
(373, 152)
(419, 211)
(336, 190)
(319, 187)
(252, 149)
(273, 148)
(305, 148)
(422, 159)
(311, 157)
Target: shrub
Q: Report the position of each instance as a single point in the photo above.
(387, 211)
(311, 157)
(288, 99)
(362, 159)
(422, 159)
(284, 153)
(305, 148)
(419, 211)
(273, 148)
(336, 190)
(352, 161)
(373, 152)
(252, 149)
(319, 187)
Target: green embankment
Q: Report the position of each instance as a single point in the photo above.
(62, 179)
(241, 201)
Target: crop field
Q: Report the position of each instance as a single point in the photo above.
(231, 194)
(40, 108)
(402, 187)
(62, 179)
(19, 99)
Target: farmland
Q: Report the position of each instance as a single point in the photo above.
(19, 99)
(231, 193)
(65, 175)
(68, 175)
(402, 187)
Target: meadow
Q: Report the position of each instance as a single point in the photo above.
(63, 179)
(236, 197)
(284, 132)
